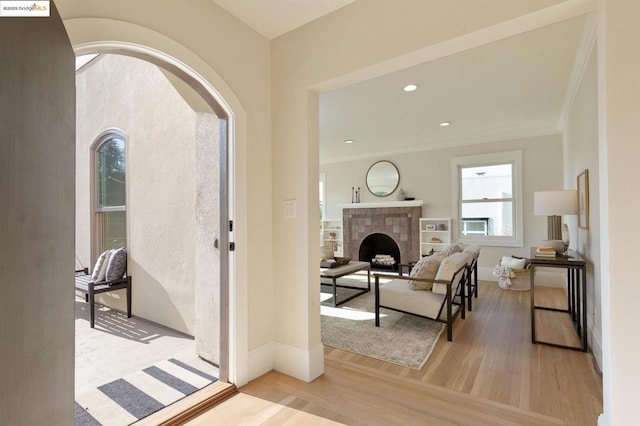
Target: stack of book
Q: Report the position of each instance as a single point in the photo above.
(545, 252)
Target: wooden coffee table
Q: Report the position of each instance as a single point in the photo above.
(341, 271)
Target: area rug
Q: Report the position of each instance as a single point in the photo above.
(401, 339)
(125, 401)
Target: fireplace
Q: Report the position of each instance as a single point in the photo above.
(400, 224)
(381, 251)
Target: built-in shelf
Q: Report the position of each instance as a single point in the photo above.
(382, 204)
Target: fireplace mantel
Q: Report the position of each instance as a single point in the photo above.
(382, 204)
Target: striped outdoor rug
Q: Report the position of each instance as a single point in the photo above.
(135, 396)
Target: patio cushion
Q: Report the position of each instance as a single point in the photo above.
(100, 268)
(117, 264)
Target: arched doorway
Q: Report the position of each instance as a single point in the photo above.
(212, 292)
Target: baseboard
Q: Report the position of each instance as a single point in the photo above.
(299, 363)
(261, 360)
(544, 277)
(596, 344)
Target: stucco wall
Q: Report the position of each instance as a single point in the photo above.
(427, 176)
(134, 96)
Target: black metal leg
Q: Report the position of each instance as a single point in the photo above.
(533, 305)
(128, 297)
(92, 307)
(377, 294)
(335, 293)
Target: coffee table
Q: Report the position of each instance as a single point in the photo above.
(341, 271)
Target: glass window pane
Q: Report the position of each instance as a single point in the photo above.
(498, 217)
(114, 230)
(487, 182)
(111, 173)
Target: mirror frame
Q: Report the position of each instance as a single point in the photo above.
(394, 184)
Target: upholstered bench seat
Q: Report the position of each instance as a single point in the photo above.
(423, 303)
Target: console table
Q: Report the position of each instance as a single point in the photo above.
(576, 268)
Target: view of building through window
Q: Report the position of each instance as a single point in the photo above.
(487, 200)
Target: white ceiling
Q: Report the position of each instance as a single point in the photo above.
(512, 88)
(272, 18)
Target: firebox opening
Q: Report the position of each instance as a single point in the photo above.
(383, 248)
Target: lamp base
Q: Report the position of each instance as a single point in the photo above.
(554, 227)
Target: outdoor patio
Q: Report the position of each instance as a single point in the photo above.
(135, 363)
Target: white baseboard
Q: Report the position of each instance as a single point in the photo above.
(260, 360)
(544, 277)
(596, 344)
(301, 364)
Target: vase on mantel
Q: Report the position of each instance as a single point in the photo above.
(400, 196)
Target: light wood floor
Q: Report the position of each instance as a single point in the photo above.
(490, 374)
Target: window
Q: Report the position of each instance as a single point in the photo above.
(110, 193)
(487, 198)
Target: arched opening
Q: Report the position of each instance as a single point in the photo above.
(212, 261)
(381, 250)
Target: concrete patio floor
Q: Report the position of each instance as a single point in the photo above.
(119, 346)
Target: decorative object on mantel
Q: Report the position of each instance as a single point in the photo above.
(554, 204)
(400, 195)
(355, 194)
(382, 178)
(583, 199)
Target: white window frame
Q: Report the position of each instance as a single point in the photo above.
(457, 163)
(96, 216)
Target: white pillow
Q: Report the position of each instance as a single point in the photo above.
(426, 268)
(512, 262)
(448, 267)
(100, 269)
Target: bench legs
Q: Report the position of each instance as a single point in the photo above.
(129, 297)
(92, 298)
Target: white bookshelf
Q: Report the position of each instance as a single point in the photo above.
(332, 235)
(435, 233)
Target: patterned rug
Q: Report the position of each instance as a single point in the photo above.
(135, 396)
(401, 339)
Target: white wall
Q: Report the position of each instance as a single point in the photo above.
(427, 176)
(134, 96)
(581, 152)
(37, 95)
(619, 126)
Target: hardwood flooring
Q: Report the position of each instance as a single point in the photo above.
(490, 374)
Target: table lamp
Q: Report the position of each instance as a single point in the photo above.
(555, 204)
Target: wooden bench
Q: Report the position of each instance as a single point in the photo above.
(90, 289)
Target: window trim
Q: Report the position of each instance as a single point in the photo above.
(96, 220)
(513, 157)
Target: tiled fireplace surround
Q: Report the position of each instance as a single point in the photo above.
(400, 223)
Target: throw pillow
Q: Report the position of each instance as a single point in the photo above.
(448, 267)
(100, 268)
(512, 262)
(117, 264)
(425, 268)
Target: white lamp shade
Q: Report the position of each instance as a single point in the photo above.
(555, 203)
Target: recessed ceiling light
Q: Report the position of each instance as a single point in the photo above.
(348, 141)
(445, 124)
(410, 87)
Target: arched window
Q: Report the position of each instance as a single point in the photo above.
(110, 193)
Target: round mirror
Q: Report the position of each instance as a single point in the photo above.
(382, 178)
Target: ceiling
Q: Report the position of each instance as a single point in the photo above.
(513, 88)
(508, 89)
(272, 18)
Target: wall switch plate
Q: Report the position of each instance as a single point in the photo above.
(289, 209)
